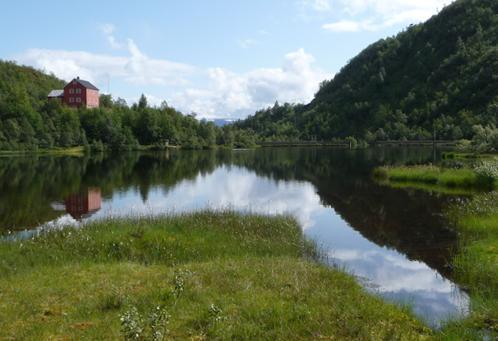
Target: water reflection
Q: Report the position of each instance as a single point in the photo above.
(396, 241)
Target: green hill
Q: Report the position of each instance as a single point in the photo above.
(28, 121)
(25, 119)
(24, 88)
(442, 74)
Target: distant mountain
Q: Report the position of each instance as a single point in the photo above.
(442, 75)
(221, 122)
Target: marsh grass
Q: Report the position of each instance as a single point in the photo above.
(483, 177)
(476, 265)
(215, 276)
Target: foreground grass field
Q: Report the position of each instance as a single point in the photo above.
(199, 276)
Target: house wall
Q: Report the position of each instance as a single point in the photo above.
(76, 95)
(72, 98)
(92, 98)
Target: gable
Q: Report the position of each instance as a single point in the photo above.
(83, 83)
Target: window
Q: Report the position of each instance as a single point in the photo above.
(71, 91)
(78, 91)
(78, 99)
(71, 99)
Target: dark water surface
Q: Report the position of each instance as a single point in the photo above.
(397, 242)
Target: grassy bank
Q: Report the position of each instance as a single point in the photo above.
(205, 275)
(73, 151)
(476, 264)
(450, 180)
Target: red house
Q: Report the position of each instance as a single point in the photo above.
(78, 93)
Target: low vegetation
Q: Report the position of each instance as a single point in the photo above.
(476, 264)
(481, 176)
(204, 275)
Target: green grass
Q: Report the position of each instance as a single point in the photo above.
(435, 178)
(217, 275)
(72, 151)
(476, 264)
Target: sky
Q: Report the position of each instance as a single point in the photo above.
(218, 58)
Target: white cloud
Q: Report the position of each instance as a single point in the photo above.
(349, 26)
(136, 67)
(108, 31)
(318, 5)
(239, 94)
(374, 15)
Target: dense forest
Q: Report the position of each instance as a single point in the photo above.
(29, 121)
(440, 76)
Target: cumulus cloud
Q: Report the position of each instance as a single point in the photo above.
(374, 15)
(135, 68)
(228, 92)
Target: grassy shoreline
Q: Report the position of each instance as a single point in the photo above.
(476, 219)
(73, 151)
(204, 275)
(437, 178)
(476, 267)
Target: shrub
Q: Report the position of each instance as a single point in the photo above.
(134, 326)
(485, 139)
(487, 173)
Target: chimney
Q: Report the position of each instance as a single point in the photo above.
(78, 77)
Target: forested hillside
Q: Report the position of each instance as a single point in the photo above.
(29, 121)
(440, 75)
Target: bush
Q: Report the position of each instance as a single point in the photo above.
(485, 139)
(487, 173)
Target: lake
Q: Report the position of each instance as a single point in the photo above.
(397, 242)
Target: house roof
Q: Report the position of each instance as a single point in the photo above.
(84, 83)
(56, 93)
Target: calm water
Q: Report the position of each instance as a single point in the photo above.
(396, 242)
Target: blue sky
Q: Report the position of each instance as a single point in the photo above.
(218, 58)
